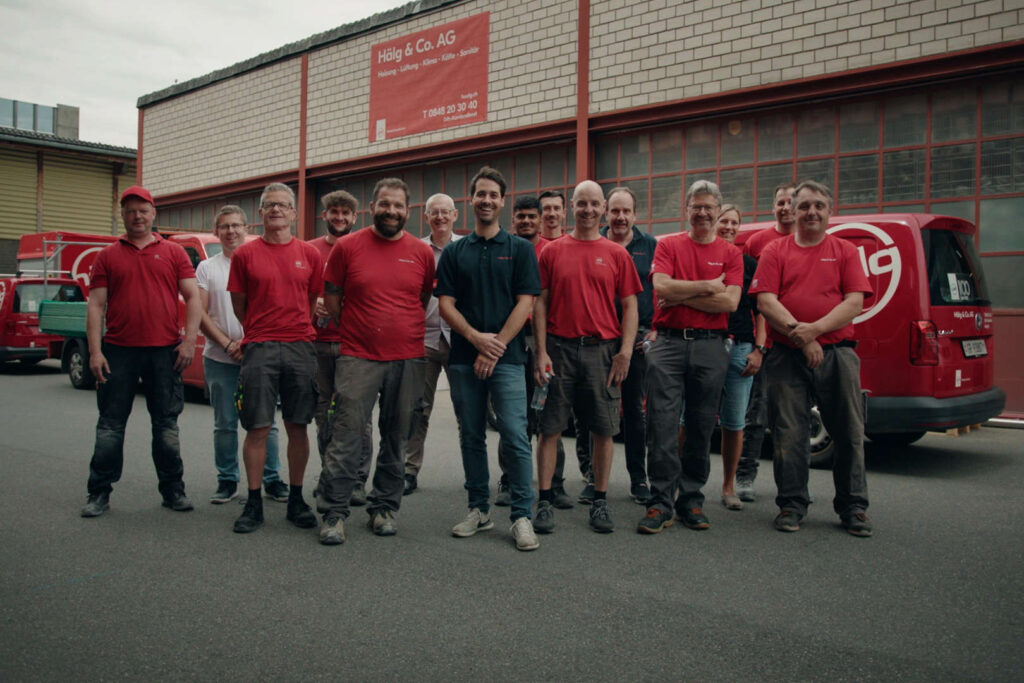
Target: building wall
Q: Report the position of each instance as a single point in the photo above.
(653, 51)
(239, 128)
(18, 176)
(531, 78)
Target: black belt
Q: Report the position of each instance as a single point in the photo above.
(583, 341)
(691, 333)
(845, 344)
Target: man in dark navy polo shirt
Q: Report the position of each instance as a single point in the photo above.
(135, 287)
(486, 284)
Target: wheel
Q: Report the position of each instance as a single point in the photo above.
(822, 448)
(895, 439)
(78, 366)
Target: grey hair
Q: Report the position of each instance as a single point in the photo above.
(277, 187)
(814, 186)
(703, 187)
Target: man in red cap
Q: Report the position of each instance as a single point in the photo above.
(135, 287)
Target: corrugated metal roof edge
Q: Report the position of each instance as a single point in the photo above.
(339, 34)
(52, 141)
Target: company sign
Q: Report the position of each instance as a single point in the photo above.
(433, 79)
(884, 263)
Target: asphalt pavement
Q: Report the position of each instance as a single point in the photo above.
(144, 593)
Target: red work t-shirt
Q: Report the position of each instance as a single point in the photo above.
(583, 279)
(810, 281)
(142, 291)
(759, 240)
(326, 329)
(382, 315)
(277, 280)
(681, 258)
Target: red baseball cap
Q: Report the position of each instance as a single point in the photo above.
(137, 191)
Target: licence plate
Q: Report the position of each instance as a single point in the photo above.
(974, 348)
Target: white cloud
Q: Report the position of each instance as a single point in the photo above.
(102, 55)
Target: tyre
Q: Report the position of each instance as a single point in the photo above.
(896, 439)
(77, 361)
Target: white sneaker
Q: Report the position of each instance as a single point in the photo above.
(522, 532)
(475, 521)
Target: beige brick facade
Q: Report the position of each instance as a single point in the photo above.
(749, 43)
(239, 128)
(531, 81)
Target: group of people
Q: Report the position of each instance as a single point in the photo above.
(602, 325)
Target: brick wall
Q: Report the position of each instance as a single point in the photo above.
(651, 51)
(532, 78)
(239, 128)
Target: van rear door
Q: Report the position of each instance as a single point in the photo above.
(960, 308)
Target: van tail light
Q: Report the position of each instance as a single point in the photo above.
(924, 343)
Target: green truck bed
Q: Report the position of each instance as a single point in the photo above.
(66, 318)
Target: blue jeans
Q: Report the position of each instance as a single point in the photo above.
(165, 399)
(507, 389)
(222, 380)
(736, 394)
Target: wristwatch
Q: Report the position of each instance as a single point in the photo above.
(763, 349)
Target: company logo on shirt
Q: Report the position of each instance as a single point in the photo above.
(600, 261)
(406, 260)
(716, 263)
(504, 258)
(829, 260)
(301, 265)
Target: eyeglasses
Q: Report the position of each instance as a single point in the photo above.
(270, 206)
(439, 213)
(231, 226)
(705, 208)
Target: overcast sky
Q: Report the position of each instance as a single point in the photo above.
(102, 55)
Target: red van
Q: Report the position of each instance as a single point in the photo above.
(20, 338)
(925, 335)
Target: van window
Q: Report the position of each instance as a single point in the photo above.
(28, 296)
(193, 256)
(955, 277)
(212, 249)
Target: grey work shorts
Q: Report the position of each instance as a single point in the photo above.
(581, 373)
(272, 369)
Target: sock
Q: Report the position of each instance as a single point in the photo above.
(255, 497)
(548, 495)
(294, 492)
(600, 495)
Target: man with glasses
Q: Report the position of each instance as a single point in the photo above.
(441, 216)
(135, 287)
(222, 358)
(378, 283)
(697, 278)
(274, 283)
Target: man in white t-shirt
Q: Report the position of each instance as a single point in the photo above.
(222, 357)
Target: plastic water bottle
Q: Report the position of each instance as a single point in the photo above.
(728, 345)
(646, 345)
(540, 394)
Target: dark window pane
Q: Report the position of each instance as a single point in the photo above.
(822, 170)
(431, 182)
(635, 151)
(415, 222)
(952, 171)
(737, 141)
(858, 126)
(816, 132)
(738, 187)
(1002, 166)
(571, 154)
(903, 175)
(552, 167)
(196, 223)
(1002, 107)
(526, 172)
(44, 119)
(456, 180)
(1006, 275)
(1000, 226)
(858, 179)
(606, 160)
(953, 113)
(6, 112)
(666, 197)
(905, 120)
(955, 275)
(768, 178)
(963, 210)
(701, 146)
(643, 207)
(414, 179)
(775, 137)
(667, 151)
